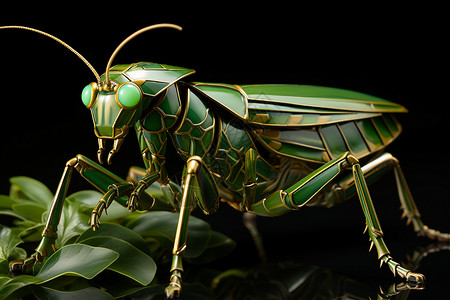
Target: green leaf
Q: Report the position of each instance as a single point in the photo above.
(4, 267)
(89, 199)
(11, 285)
(31, 211)
(9, 239)
(30, 232)
(219, 245)
(116, 231)
(87, 293)
(6, 201)
(32, 189)
(162, 226)
(8, 212)
(131, 262)
(77, 259)
(72, 223)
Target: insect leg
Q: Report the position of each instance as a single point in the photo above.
(96, 175)
(249, 184)
(199, 184)
(174, 288)
(373, 170)
(300, 193)
(114, 190)
(374, 228)
(410, 209)
(141, 186)
(47, 244)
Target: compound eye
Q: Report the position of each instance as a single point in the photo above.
(89, 94)
(128, 95)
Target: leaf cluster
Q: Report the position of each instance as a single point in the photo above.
(123, 257)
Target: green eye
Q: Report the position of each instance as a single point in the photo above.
(129, 95)
(89, 94)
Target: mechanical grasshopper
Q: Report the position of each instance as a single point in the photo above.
(263, 149)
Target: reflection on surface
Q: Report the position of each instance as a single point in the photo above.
(290, 280)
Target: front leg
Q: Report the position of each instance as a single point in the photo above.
(198, 183)
(141, 186)
(100, 178)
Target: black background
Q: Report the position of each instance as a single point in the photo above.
(397, 54)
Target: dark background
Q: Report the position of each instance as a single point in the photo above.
(396, 54)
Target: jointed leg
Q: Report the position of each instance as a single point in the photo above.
(49, 234)
(198, 183)
(303, 191)
(375, 169)
(410, 210)
(114, 187)
(374, 229)
(174, 288)
(114, 191)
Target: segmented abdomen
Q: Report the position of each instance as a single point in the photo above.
(361, 137)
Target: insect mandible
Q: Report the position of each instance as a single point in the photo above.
(263, 149)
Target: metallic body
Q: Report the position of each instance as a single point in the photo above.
(263, 149)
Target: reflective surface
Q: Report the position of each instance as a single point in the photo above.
(299, 280)
(327, 246)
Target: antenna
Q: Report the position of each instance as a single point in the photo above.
(162, 25)
(62, 43)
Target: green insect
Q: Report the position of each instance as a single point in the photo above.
(263, 149)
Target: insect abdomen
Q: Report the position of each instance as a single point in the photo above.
(323, 143)
(360, 137)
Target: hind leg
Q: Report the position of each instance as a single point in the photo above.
(374, 170)
(304, 191)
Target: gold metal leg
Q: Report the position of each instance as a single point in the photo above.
(374, 229)
(179, 246)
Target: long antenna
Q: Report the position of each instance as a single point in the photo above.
(162, 25)
(62, 43)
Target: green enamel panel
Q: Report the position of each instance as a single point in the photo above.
(186, 127)
(171, 103)
(226, 96)
(207, 139)
(333, 139)
(354, 139)
(149, 65)
(306, 188)
(183, 142)
(206, 190)
(303, 137)
(196, 132)
(264, 170)
(152, 88)
(295, 151)
(290, 119)
(392, 124)
(319, 97)
(117, 77)
(370, 133)
(169, 121)
(152, 122)
(272, 206)
(162, 75)
(280, 107)
(119, 68)
(382, 128)
(197, 110)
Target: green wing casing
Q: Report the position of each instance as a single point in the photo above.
(310, 123)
